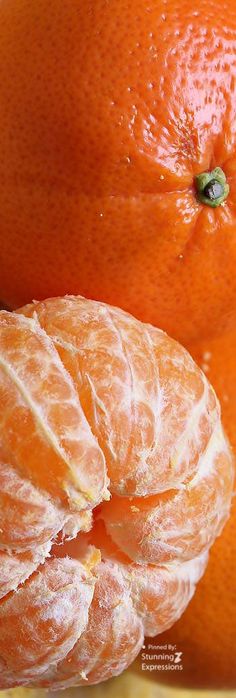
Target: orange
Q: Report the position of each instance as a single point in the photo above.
(108, 111)
(206, 633)
(115, 479)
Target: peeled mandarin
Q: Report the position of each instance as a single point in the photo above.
(115, 479)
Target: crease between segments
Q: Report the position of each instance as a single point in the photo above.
(40, 419)
(133, 413)
(35, 410)
(75, 350)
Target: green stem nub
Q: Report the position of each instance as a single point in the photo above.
(212, 187)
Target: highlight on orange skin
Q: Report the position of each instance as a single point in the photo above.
(115, 464)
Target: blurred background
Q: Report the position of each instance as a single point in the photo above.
(128, 685)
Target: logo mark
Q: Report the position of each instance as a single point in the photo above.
(178, 656)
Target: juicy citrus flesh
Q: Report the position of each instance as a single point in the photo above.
(206, 632)
(108, 112)
(115, 479)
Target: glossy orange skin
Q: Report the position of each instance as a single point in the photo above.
(206, 632)
(107, 112)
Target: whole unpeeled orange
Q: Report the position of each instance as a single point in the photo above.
(108, 111)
